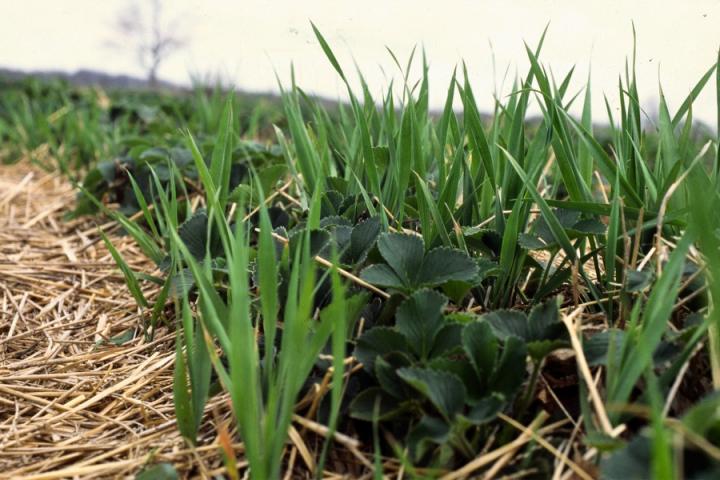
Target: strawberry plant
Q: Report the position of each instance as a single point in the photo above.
(408, 267)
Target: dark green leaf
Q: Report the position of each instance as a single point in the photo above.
(444, 264)
(376, 342)
(444, 390)
(386, 374)
(428, 431)
(486, 409)
(383, 276)
(510, 371)
(362, 239)
(597, 347)
(638, 280)
(404, 253)
(481, 347)
(193, 232)
(362, 406)
(419, 319)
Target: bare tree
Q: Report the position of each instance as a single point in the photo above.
(149, 35)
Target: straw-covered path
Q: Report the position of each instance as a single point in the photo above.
(82, 393)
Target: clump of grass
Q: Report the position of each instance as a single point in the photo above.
(450, 254)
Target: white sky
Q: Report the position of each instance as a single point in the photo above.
(248, 41)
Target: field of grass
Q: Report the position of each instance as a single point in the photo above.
(383, 291)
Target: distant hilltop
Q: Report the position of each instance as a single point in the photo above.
(89, 77)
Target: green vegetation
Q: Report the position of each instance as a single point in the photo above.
(486, 274)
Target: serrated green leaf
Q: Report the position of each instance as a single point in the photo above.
(444, 264)
(386, 374)
(362, 239)
(444, 390)
(362, 407)
(424, 434)
(486, 409)
(510, 371)
(638, 280)
(599, 346)
(419, 319)
(481, 347)
(383, 276)
(193, 232)
(376, 342)
(404, 253)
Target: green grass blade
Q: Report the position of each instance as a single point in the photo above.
(130, 278)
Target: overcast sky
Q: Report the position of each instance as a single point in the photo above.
(248, 41)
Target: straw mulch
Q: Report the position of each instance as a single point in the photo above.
(76, 400)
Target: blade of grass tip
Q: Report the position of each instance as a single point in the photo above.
(216, 208)
(405, 162)
(476, 134)
(561, 90)
(306, 154)
(128, 274)
(143, 205)
(444, 123)
(449, 193)
(584, 157)
(167, 215)
(562, 146)
(437, 220)
(146, 243)
(694, 93)
(211, 189)
(365, 138)
(221, 159)
(328, 52)
(605, 164)
(634, 110)
(518, 120)
(368, 201)
(668, 143)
